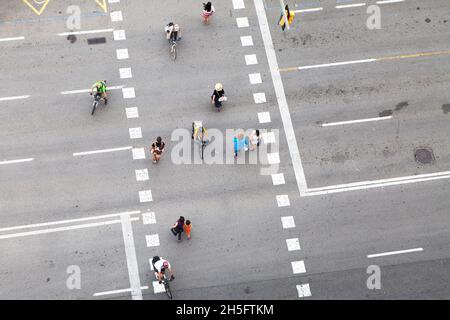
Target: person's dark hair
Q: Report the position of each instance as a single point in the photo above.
(158, 139)
(257, 132)
(181, 218)
(188, 222)
(207, 6)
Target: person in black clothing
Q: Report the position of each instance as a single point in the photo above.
(157, 149)
(178, 227)
(218, 96)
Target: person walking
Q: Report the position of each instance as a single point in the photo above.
(187, 229)
(218, 96)
(254, 139)
(178, 227)
(157, 149)
(208, 10)
(240, 142)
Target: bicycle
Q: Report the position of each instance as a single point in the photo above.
(167, 287)
(203, 142)
(173, 49)
(95, 103)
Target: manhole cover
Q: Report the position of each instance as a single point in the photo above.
(424, 155)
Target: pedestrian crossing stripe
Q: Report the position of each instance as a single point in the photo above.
(38, 6)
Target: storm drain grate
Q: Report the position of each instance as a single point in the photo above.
(424, 155)
(96, 40)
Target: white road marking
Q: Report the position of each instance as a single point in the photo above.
(130, 252)
(11, 39)
(84, 153)
(16, 161)
(246, 41)
(125, 73)
(268, 137)
(78, 226)
(334, 64)
(151, 265)
(242, 22)
(158, 288)
(259, 97)
(277, 179)
(250, 59)
(281, 97)
(104, 293)
(393, 252)
(329, 124)
(273, 158)
(145, 196)
(307, 10)
(149, 218)
(85, 32)
(141, 175)
(128, 93)
(14, 98)
(288, 222)
(293, 244)
(350, 5)
(238, 4)
(89, 90)
(298, 267)
(388, 1)
(132, 113)
(283, 200)
(52, 223)
(122, 54)
(303, 290)
(135, 133)
(116, 16)
(113, 1)
(152, 240)
(138, 153)
(376, 183)
(255, 78)
(264, 117)
(119, 35)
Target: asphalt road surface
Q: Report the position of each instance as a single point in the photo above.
(335, 190)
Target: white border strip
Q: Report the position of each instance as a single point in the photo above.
(101, 151)
(330, 124)
(334, 64)
(16, 161)
(14, 98)
(104, 293)
(350, 5)
(85, 32)
(12, 39)
(307, 10)
(388, 1)
(393, 252)
(89, 90)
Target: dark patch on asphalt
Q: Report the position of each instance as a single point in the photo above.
(72, 38)
(418, 8)
(247, 290)
(424, 155)
(96, 40)
(340, 157)
(401, 105)
(385, 113)
(319, 123)
(48, 279)
(427, 20)
(446, 108)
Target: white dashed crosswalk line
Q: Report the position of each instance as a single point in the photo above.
(255, 78)
(149, 218)
(242, 22)
(283, 200)
(277, 179)
(135, 133)
(119, 35)
(268, 137)
(264, 117)
(158, 288)
(298, 267)
(132, 112)
(273, 158)
(116, 16)
(259, 97)
(303, 290)
(152, 240)
(122, 54)
(138, 153)
(250, 59)
(128, 93)
(246, 41)
(145, 196)
(238, 4)
(288, 222)
(293, 244)
(113, 1)
(125, 73)
(141, 174)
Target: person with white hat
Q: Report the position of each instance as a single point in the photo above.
(218, 96)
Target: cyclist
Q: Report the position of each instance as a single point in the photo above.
(99, 88)
(160, 265)
(157, 149)
(173, 32)
(200, 134)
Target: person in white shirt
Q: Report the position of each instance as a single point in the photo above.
(160, 266)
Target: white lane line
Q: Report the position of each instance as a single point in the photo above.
(152, 240)
(288, 222)
(329, 124)
(242, 22)
(149, 218)
(135, 133)
(141, 175)
(104, 293)
(298, 267)
(113, 1)
(85, 32)
(119, 35)
(277, 179)
(101, 151)
(132, 112)
(16, 161)
(250, 59)
(353, 5)
(52, 223)
(138, 153)
(293, 244)
(283, 200)
(14, 98)
(89, 90)
(303, 290)
(145, 196)
(307, 10)
(78, 226)
(130, 252)
(281, 97)
(11, 39)
(238, 4)
(255, 78)
(122, 54)
(393, 252)
(125, 73)
(388, 1)
(246, 41)
(259, 97)
(116, 16)
(376, 183)
(264, 117)
(334, 64)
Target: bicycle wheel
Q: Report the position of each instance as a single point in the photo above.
(94, 105)
(167, 287)
(173, 51)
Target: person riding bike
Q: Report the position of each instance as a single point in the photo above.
(99, 88)
(173, 32)
(200, 134)
(160, 266)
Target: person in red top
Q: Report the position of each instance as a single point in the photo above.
(208, 10)
(187, 229)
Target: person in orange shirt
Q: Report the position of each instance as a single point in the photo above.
(187, 229)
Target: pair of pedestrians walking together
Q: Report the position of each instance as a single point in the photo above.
(181, 226)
